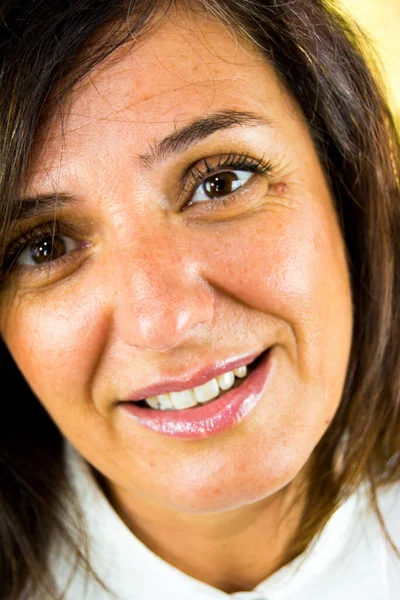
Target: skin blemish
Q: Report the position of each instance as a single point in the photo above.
(281, 188)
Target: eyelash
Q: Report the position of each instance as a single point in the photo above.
(32, 235)
(194, 177)
(198, 174)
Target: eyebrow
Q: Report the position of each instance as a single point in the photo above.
(42, 204)
(198, 130)
(174, 144)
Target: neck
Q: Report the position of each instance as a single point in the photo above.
(231, 551)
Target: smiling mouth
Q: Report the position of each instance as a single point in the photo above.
(211, 417)
(203, 394)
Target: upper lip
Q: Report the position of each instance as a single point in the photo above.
(179, 384)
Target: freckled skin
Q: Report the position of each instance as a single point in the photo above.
(162, 292)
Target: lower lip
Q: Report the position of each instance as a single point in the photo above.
(209, 419)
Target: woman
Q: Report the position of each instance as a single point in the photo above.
(200, 219)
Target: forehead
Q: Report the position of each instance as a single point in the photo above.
(187, 66)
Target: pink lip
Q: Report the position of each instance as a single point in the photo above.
(209, 419)
(178, 385)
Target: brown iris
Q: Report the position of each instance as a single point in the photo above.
(220, 185)
(47, 249)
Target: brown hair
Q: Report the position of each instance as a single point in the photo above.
(43, 53)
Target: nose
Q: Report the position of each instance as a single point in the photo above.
(162, 298)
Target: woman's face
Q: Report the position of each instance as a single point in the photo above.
(160, 269)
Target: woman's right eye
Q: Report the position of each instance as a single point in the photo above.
(45, 250)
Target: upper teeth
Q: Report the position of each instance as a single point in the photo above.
(201, 393)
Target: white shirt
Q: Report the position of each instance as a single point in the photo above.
(351, 559)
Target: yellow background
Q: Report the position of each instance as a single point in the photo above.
(380, 19)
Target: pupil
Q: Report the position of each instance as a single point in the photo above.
(47, 249)
(220, 185)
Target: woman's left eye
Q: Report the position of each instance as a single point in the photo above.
(220, 185)
(45, 250)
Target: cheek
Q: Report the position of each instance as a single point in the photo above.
(57, 334)
(285, 263)
(290, 266)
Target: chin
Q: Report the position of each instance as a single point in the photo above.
(230, 489)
